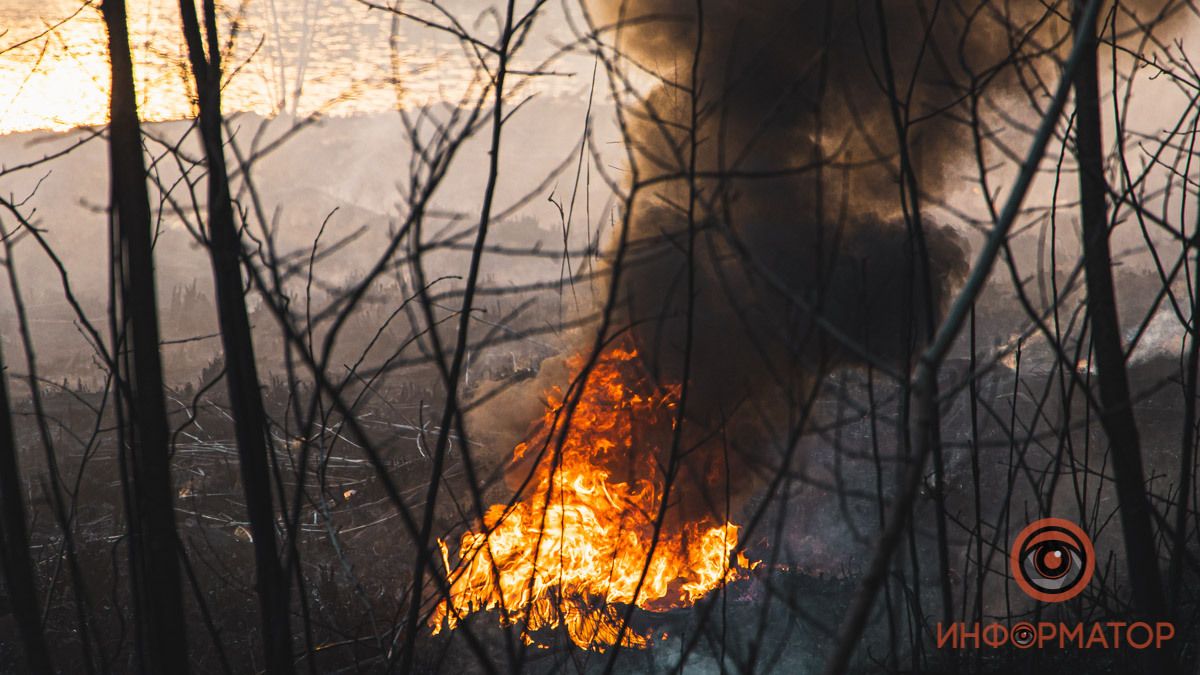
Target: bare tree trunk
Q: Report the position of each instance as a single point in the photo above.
(155, 545)
(1116, 414)
(241, 375)
(14, 543)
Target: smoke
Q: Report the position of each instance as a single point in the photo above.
(797, 249)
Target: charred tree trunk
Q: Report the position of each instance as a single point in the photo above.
(154, 548)
(14, 543)
(241, 376)
(1116, 414)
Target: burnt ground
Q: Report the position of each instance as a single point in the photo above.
(356, 559)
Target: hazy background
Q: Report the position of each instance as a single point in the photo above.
(334, 78)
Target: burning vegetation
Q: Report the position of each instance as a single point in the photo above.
(588, 532)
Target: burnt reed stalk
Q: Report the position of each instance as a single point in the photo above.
(154, 546)
(241, 375)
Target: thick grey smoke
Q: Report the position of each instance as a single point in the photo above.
(802, 258)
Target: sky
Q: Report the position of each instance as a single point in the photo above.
(54, 71)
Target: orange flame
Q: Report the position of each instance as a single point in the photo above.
(574, 544)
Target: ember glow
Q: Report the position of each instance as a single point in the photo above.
(570, 551)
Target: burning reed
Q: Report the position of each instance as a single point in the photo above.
(573, 544)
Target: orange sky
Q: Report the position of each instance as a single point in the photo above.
(338, 48)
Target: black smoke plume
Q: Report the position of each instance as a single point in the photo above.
(805, 256)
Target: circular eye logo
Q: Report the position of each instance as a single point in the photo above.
(1052, 560)
(1023, 635)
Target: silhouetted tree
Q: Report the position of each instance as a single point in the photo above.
(154, 545)
(241, 375)
(1116, 412)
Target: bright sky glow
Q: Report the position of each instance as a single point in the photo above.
(339, 50)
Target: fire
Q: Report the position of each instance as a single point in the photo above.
(571, 548)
